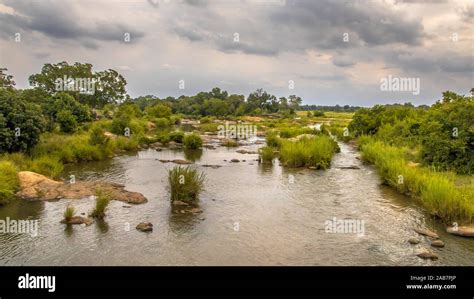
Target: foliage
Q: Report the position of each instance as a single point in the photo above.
(177, 136)
(266, 154)
(185, 183)
(192, 141)
(8, 181)
(67, 121)
(308, 152)
(20, 123)
(69, 212)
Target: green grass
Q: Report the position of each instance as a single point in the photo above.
(266, 154)
(8, 181)
(69, 212)
(185, 183)
(101, 202)
(308, 152)
(192, 141)
(438, 191)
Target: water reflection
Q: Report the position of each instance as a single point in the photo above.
(193, 155)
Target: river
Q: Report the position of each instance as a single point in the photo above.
(253, 214)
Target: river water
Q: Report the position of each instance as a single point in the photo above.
(253, 214)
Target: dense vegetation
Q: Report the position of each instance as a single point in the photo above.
(185, 184)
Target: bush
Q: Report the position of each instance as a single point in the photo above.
(159, 110)
(69, 212)
(177, 136)
(67, 121)
(185, 183)
(102, 200)
(308, 152)
(163, 137)
(18, 116)
(8, 181)
(162, 122)
(192, 141)
(206, 120)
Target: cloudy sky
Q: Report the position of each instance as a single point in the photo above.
(335, 52)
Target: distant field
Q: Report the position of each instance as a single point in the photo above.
(331, 114)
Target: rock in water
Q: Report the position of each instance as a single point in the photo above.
(145, 227)
(181, 162)
(78, 220)
(413, 241)
(235, 160)
(427, 233)
(463, 231)
(427, 255)
(437, 243)
(34, 186)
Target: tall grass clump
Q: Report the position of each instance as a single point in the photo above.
(69, 212)
(185, 183)
(49, 166)
(102, 200)
(272, 139)
(436, 190)
(192, 141)
(266, 154)
(308, 152)
(8, 181)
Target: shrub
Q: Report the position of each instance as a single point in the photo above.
(8, 181)
(163, 137)
(185, 183)
(102, 200)
(67, 121)
(177, 136)
(209, 127)
(18, 116)
(192, 141)
(162, 122)
(266, 154)
(69, 212)
(206, 120)
(159, 110)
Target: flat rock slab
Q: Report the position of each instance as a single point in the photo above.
(78, 220)
(181, 162)
(34, 186)
(463, 231)
(426, 232)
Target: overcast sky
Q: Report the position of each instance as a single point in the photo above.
(335, 52)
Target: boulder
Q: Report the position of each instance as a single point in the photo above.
(426, 232)
(145, 227)
(463, 231)
(34, 187)
(235, 160)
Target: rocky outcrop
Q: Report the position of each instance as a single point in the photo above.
(463, 231)
(244, 151)
(34, 186)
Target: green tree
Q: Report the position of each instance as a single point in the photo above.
(67, 121)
